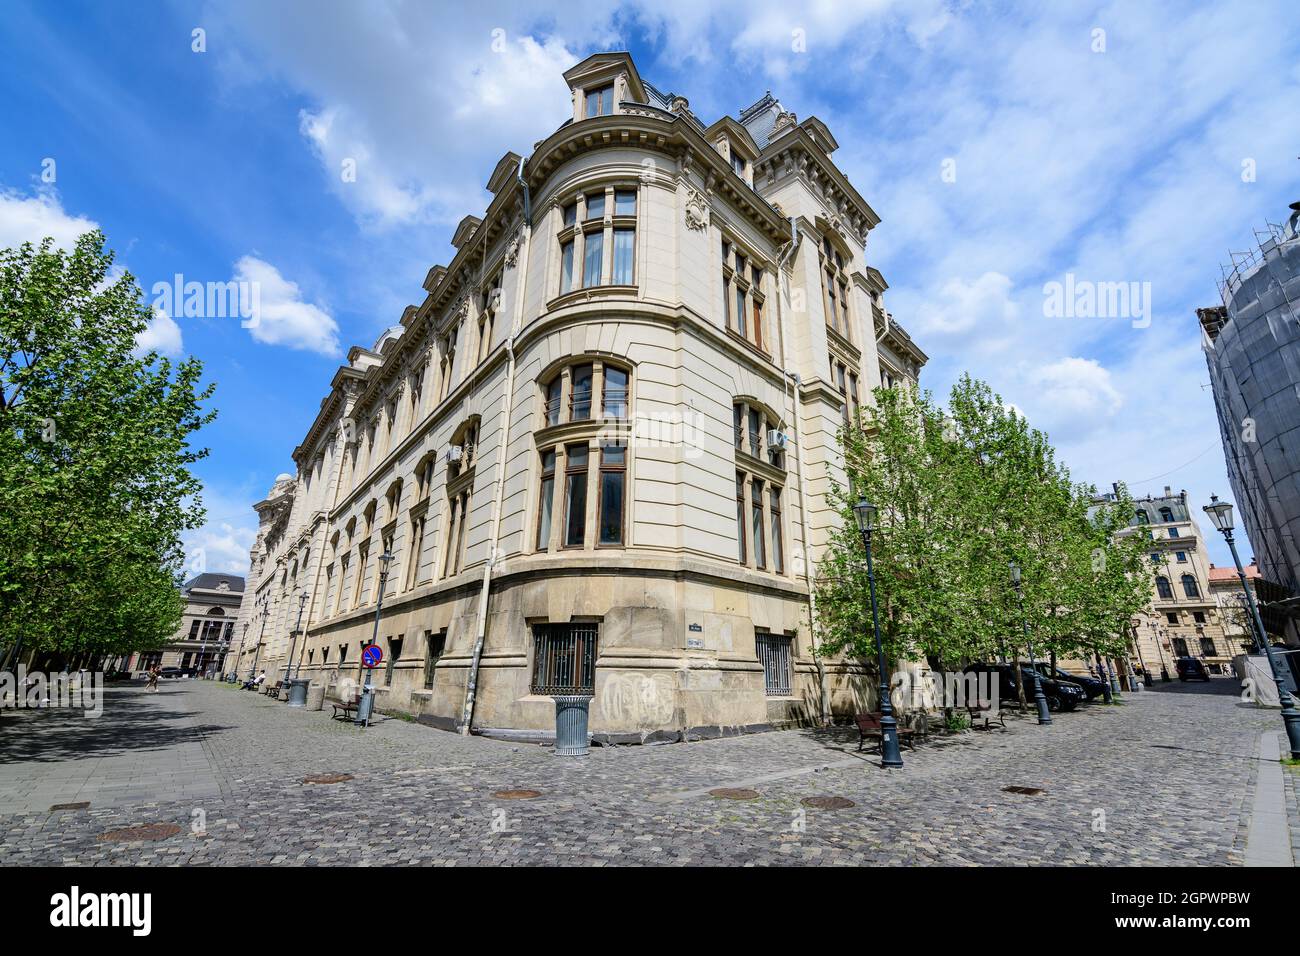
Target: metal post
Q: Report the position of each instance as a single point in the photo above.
(1290, 716)
(293, 639)
(890, 755)
(266, 612)
(367, 702)
(1040, 699)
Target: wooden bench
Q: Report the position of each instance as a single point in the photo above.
(869, 726)
(344, 707)
(273, 690)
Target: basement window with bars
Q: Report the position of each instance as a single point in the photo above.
(774, 653)
(564, 660)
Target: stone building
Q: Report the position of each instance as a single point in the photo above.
(1183, 619)
(212, 603)
(597, 450)
(1252, 349)
(1235, 613)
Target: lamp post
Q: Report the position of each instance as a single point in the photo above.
(1044, 716)
(367, 702)
(293, 638)
(257, 651)
(890, 756)
(1220, 513)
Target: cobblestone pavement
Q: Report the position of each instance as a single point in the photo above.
(1165, 778)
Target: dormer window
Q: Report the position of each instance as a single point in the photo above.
(600, 102)
(738, 164)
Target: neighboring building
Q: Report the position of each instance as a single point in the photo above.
(207, 628)
(598, 449)
(1252, 348)
(1234, 612)
(1183, 618)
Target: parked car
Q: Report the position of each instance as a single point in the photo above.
(1061, 695)
(1092, 688)
(1191, 668)
(167, 672)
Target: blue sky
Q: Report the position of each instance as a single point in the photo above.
(1004, 146)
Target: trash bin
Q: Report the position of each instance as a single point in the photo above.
(316, 696)
(571, 726)
(298, 692)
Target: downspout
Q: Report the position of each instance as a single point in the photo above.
(790, 387)
(480, 632)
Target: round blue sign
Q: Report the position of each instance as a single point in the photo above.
(372, 655)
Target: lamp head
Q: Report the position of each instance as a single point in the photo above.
(864, 512)
(1220, 513)
(1015, 573)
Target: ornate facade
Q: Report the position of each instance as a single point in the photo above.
(597, 451)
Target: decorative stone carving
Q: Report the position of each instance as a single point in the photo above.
(680, 104)
(697, 209)
(512, 250)
(785, 121)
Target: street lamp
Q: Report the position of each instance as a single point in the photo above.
(293, 638)
(266, 612)
(1220, 513)
(890, 756)
(1044, 716)
(367, 702)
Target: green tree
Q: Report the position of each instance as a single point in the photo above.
(95, 480)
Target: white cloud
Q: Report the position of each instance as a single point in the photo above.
(221, 547)
(1073, 397)
(282, 317)
(984, 306)
(32, 218)
(162, 335)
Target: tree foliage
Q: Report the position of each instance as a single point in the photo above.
(962, 492)
(95, 479)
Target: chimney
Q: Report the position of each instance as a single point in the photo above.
(1168, 492)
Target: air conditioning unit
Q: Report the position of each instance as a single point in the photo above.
(454, 453)
(777, 440)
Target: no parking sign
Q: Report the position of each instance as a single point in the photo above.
(372, 655)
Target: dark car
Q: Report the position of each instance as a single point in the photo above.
(170, 672)
(1061, 695)
(1092, 688)
(1190, 668)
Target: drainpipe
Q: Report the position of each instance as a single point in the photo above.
(790, 387)
(480, 632)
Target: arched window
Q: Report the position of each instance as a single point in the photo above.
(1143, 517)
(582, 497)
(1163, 589)
(462, 455)
(1189, 586)
(586, 390)
(835, 287)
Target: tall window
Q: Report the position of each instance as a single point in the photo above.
(1163, 588)
(598, 235)
(491, 307)
(740, 515)
(363, 561)
(457, 518)
(564, 658)
(742, 294)
(1207, 647)
(759, 525)
(434, 647)
(835, 288)
(1189, 586)
(394, 652)
(553, 394)
(575, 496)
(1180, 647)
(600, 102)
(614, 393)
(580, 401)
(613, 469)
(775, 653)
(778, 550)
(546, 500)
(413, 556)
